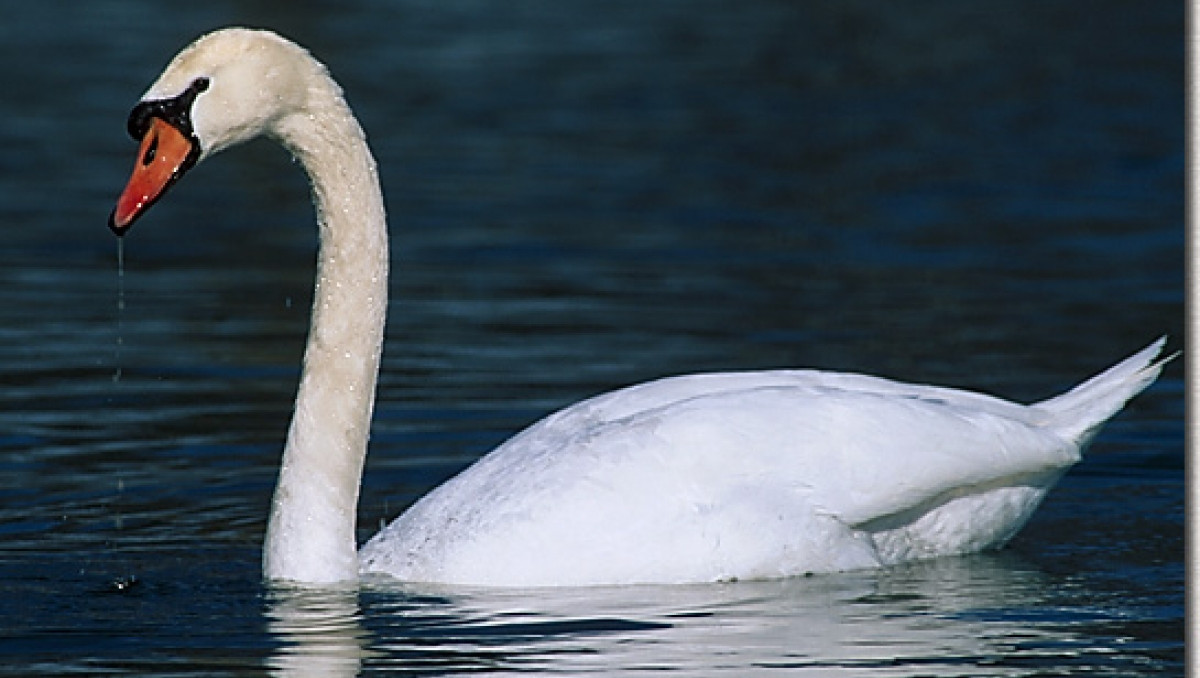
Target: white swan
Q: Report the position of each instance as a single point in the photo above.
(697, 478)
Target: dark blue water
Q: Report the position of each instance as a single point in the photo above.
(585, 195)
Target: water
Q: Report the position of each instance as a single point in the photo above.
(585, 195)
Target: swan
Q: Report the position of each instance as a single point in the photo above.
(708, 477)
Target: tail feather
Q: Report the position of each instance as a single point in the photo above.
(1079, 413)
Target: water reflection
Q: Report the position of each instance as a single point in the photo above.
(319, 631)
(989, 615)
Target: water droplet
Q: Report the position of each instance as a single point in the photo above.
(120, 310)
(123, 584)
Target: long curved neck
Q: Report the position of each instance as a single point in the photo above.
(310, 534)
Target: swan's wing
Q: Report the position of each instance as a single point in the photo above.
(762, 474)
(623, 403)
(860, 454)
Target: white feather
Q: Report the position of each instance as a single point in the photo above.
(697, 478)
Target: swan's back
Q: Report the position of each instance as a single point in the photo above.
(747, 475)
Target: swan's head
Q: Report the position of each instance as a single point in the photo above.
(225, 88)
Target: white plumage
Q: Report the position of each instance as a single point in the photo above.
(749, 475)
(686, 479)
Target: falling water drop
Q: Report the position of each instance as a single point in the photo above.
(120, 309)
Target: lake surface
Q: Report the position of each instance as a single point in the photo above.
(585, 195)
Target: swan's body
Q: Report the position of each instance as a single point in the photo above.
(699, 478)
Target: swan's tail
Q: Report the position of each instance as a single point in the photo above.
(1079, 413)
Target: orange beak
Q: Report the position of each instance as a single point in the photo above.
(165, 154)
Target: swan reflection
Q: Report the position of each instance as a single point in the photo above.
(319, 631)
(989, 615)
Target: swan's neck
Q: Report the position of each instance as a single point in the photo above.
(310, 535)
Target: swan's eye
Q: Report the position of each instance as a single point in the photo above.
(200, 84)
(151, 151)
